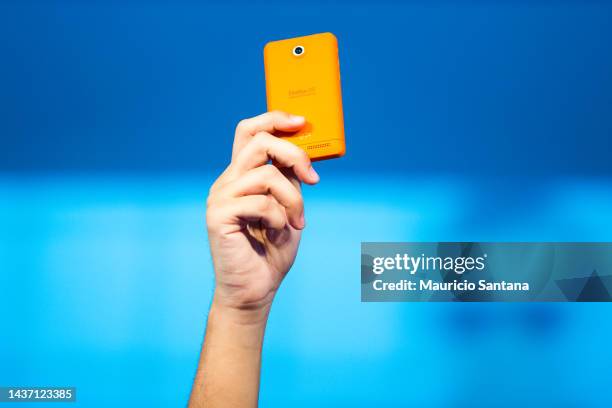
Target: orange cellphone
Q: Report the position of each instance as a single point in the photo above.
(303, 78)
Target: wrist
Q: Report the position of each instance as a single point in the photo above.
(236, 329)
(239, 314)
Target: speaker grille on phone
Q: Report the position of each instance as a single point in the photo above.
(318, 146)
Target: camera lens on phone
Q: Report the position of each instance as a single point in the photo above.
(299, 50)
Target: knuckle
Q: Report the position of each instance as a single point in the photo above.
(299, 201)
(211, 218)
(303, 156)
(295, 153)
(211, 193)
(296, 200)
(242, 125)
(260, 138)
(265, 203)
(217, 184)
(210, 198)
(269, 170)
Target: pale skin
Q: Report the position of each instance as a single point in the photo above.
(255, 217)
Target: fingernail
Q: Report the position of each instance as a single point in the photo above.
(296, 119)
(313, 174)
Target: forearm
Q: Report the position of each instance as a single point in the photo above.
(230, 361)
(254, 218)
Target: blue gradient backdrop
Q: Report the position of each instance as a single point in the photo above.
(480, 120)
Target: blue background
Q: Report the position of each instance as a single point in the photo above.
(485, 121)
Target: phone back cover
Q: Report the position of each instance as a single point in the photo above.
(308, 85)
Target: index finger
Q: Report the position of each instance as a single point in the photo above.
(267, 122)
(264, 147)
